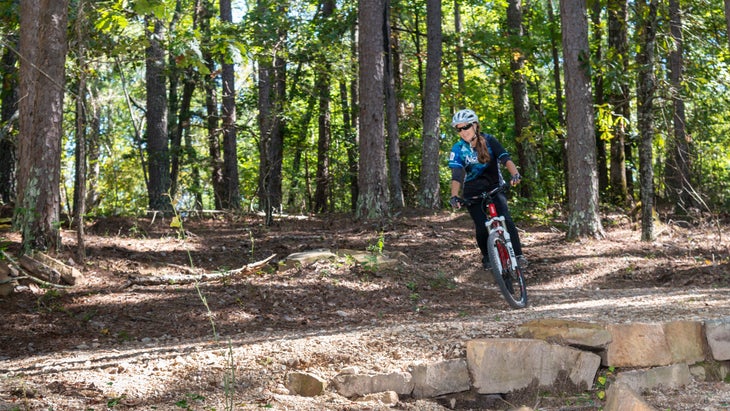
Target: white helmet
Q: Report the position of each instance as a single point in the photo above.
(464, 116)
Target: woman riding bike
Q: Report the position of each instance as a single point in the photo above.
(474, 169)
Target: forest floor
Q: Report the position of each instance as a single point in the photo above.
(229, 343)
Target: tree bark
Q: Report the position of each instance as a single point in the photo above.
(430, 190)
(211, 104)
(43, 27)
(231, 192)
(373, 197)
(727, 19)
(157, 139)
(584, 218)
(558, 96)
(79, 202)
(520, 100)
(646, 84)
(678, 168)
(391, 112)
(8, 120)
(460, 78)
(600, 98)
(271, 98)
(619, 99)
(324, 126)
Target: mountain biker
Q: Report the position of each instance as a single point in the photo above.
(474, 170)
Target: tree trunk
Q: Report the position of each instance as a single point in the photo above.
(584, 218)
(520, 100)
(211, 104)
(678, 178)
(271, 98)
(645, 104)
(8, 118)
(351, 145)
(373, 197)
(324, 140)
(430, 190)
(460, 78)
(231, 193)
(93, 152)
(43, 41)
(391, 111)
(599, 96)
(157, 138)
(558, 95)
(619, 99)
(81, 126)
(727, 19)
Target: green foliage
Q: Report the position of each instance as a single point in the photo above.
(312, 44)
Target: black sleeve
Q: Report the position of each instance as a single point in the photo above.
(499, 152)
(457, 174)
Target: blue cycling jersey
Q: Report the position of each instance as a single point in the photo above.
(479, 177)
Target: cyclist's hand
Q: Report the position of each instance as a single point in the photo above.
(516, 179)
(455, 202)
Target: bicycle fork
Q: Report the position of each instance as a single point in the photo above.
(496, 223)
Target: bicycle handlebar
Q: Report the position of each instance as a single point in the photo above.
(487, 195)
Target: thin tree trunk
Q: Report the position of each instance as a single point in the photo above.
(231, 193)
(81, 125)
(645, 102)
(678, 166)
(727, 19)
(430, 190)
(323, 178)
(558, 95)
(93, 153)
(8, 119)
(520, 100)
(391, 112)
(211, 104)
(599, 96)
(157, 139)
(461, 80)
(619, 99)
(351, 145)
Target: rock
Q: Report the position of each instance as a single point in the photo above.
(509, 364)
(306, 258)
(592, 336)
(686, 341)
(637, 345)
(620, 397)
(305, 384)
(387, 398)
(672, 376)
(718, 338)
(352, 385)
(444, 377)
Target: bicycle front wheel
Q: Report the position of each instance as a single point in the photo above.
(511, 282)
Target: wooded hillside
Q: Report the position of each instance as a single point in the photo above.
(292, 106)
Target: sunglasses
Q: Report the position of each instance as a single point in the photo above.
(466, 127)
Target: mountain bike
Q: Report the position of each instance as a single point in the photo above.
(506, 269)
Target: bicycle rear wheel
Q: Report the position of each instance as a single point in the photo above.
(511, 282)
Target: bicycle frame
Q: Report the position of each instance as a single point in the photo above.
(497, 223)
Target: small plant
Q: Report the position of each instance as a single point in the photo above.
(113, 402)
(378, 247)
(49, 301)
(443, 282)
(184, 403)
(601, 382)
